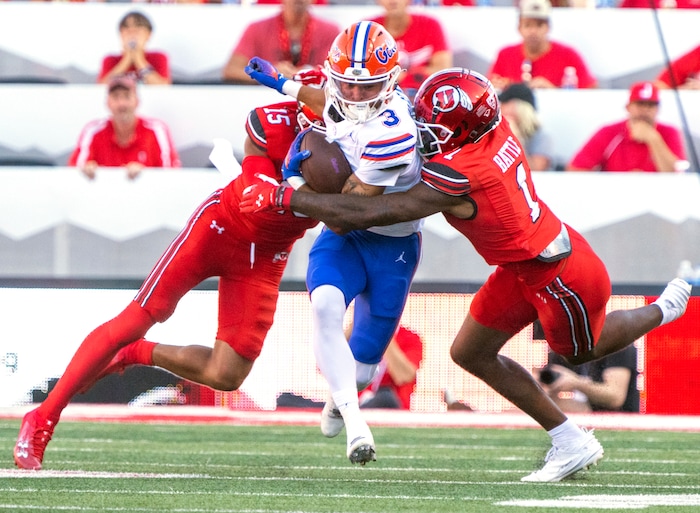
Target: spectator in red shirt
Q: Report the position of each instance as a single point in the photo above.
(638, 143)
(660, 4)
(683, 72)
(538, 61)
(124, 139)
(148, 67)
(396, 380)
(423, 47)
(291, 40)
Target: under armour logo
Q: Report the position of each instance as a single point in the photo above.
(216, 227)
(23, 448)
(259, 201)
(401, 259)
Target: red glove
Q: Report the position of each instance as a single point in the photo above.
(314, 77)
(264, 196)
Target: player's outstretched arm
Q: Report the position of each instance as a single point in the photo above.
(346, 212)
(266, 74)
(355, 212)
(313, 97)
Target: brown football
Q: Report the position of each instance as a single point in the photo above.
(327, 168)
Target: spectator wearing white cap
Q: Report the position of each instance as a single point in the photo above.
(638, 143)
(537, 60)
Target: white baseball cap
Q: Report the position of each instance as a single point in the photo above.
(536, 9)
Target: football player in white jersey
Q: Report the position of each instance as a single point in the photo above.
(371, 120)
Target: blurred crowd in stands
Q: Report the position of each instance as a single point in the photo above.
(629, 4)
(296, 38)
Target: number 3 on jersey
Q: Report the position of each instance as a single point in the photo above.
(390, 117)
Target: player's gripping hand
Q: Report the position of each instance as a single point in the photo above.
(313, 77)
(264, 197)
(265, 73)
(291, 167)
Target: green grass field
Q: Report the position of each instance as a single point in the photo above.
(130, 467)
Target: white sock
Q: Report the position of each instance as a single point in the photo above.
(355, 425)
(673, 300)
(666, 313)
(566, 433)
(333, 355)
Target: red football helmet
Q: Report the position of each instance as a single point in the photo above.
(307, 118)
(454, 107)
(363, 54)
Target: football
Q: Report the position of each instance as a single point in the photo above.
(327, 168)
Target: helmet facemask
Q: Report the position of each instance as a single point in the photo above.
(431, 137)
(360, 111)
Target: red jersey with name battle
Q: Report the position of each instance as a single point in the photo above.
(510, 223)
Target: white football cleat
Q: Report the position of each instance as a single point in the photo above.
(674, 300)
(361, 449)
(331, 420)
(562, 462)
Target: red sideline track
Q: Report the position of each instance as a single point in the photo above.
(386, 418)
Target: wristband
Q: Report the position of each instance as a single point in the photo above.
(283, 197)
(291, 88)
(296, 181)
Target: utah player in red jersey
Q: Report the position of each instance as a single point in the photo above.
(478, 177)
(247, 252)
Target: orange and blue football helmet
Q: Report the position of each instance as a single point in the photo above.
(363, 54)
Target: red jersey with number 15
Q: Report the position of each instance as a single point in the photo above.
(510, 223)
(271, 128)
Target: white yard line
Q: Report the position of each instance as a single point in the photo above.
(386, 418)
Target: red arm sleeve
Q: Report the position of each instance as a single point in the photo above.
(256, 164)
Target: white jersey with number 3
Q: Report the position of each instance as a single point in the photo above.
(382, 152)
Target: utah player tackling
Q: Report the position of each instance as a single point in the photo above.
(478, 178)
(247, 252)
